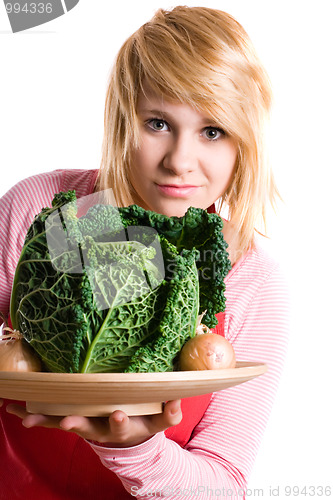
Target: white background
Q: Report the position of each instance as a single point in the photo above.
(52, 89)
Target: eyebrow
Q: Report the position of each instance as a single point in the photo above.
(152, 111)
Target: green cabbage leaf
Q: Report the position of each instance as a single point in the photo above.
(116, 289)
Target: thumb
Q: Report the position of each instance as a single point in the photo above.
(173, 409)
(172, 415)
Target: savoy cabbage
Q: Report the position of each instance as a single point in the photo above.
(117, 289)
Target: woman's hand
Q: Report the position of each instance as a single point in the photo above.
(117, 431)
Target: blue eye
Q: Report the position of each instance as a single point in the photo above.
(213, 133)
(157, 124)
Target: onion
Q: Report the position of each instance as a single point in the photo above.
(16, 354)
(207, 351)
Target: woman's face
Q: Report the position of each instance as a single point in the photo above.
(183, 160)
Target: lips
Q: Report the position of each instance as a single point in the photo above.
(177, 191)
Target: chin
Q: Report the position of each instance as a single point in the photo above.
(174, 209)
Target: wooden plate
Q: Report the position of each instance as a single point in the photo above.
(100, 394)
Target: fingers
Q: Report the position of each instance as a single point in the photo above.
(126, 430)
(36, 420)
(33, 420)
(118, 430)
(131, 431)
(96, 429)
(17, 410)
(84, 427)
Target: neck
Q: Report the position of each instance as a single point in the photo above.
(231, 236)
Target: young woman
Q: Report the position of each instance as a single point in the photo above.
(185, 114)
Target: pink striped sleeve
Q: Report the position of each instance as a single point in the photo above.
(218, 459)
(18, 208)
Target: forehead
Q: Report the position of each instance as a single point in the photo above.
(150, 101)
(148, 98)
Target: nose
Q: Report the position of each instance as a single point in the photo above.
(180, 155)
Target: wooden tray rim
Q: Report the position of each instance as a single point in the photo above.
(243, 368)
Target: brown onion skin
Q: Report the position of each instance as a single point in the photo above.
(207, 351)
(16, 355)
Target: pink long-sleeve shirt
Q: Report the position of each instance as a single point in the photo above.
(217, 459)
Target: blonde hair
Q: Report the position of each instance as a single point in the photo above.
(202, 57)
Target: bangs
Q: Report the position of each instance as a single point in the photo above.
(190, 63)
